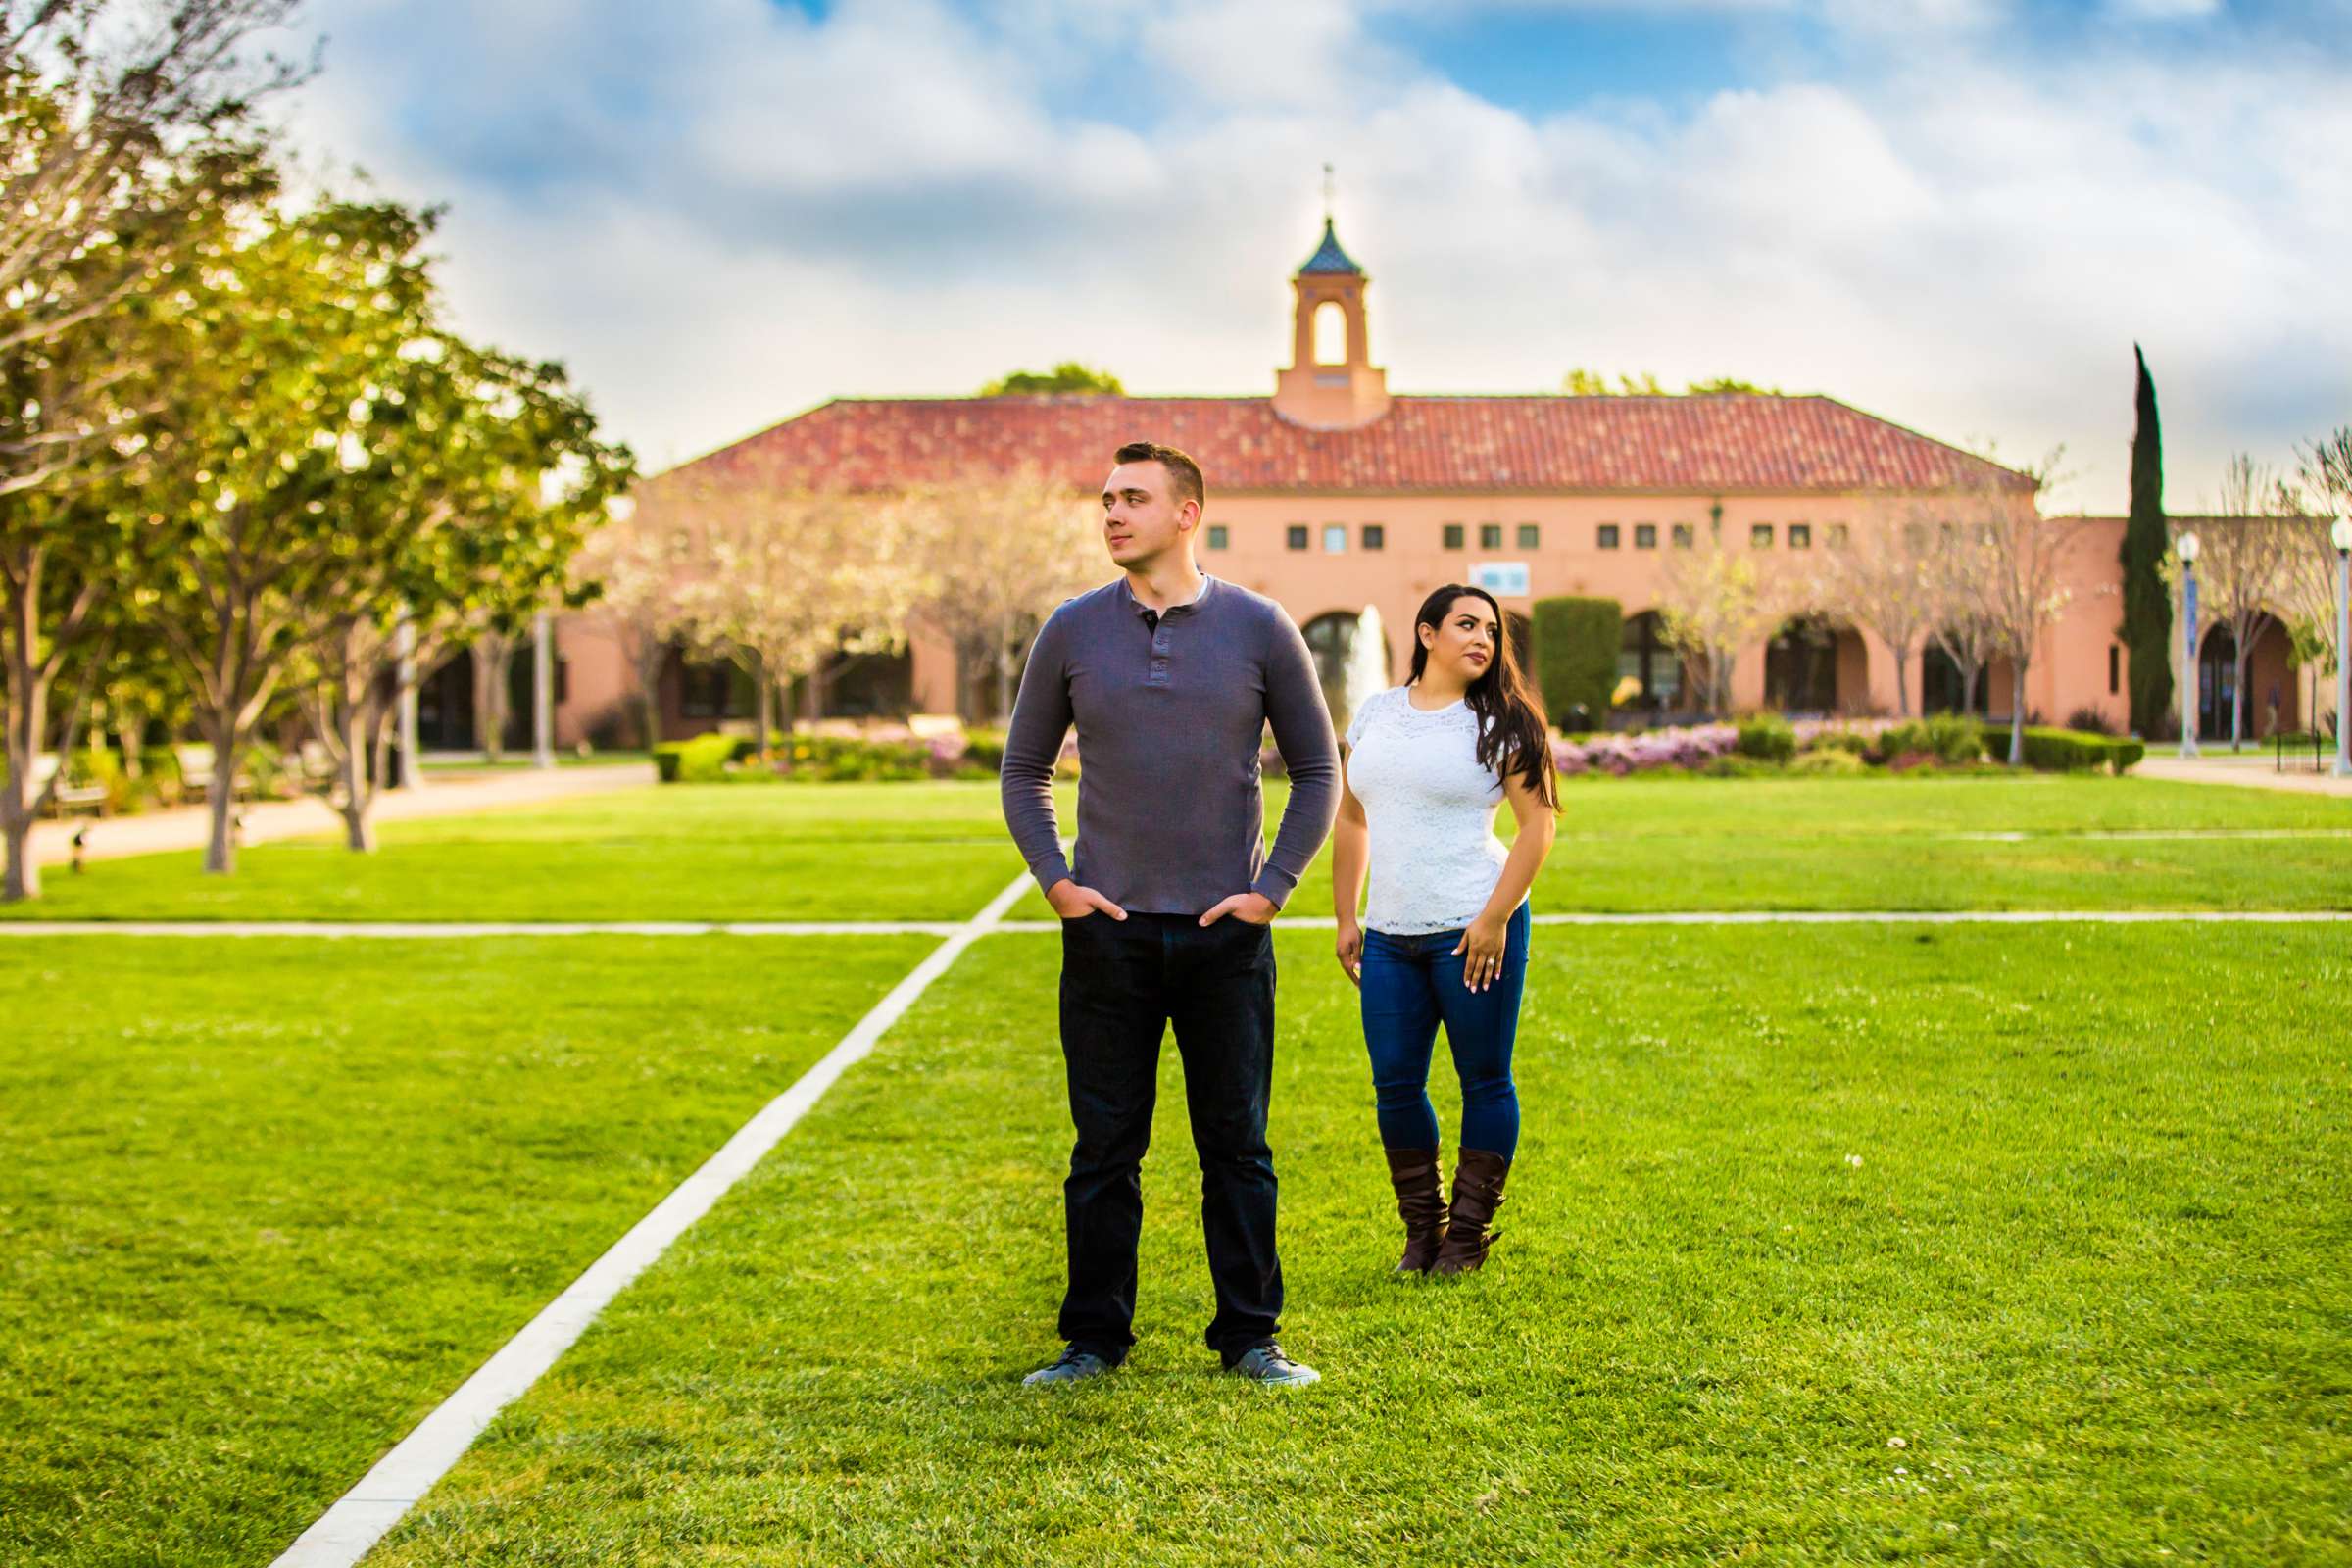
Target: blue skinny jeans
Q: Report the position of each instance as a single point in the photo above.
(1412, 984)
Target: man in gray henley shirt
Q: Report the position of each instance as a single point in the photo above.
(1171, 677)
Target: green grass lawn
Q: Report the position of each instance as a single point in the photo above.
(720, 852)
(1899, 843)
(2089, 1271)
(938, 852)
(262, 1205)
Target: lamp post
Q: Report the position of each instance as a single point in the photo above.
(2189, 644)
(2341, 537)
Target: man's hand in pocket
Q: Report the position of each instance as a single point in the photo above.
(1074, 903)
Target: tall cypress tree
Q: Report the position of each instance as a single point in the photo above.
(2147, 606)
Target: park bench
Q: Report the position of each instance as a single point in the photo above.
(69, 796)
(319, 774)
(196, 771)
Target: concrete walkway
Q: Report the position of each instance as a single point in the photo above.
(2250, 769)
(186, 827)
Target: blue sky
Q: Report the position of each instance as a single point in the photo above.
(1960, 214)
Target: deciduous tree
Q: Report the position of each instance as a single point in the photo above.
(1717, 599)
(2241, 571)
(1882, 576)
(993, 557)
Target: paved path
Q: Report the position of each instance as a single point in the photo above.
(2250, 769)
(186, 827)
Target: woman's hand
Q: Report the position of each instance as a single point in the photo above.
(1352, 952)
(1481, 945)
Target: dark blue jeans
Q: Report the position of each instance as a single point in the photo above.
(1123, 983)
(1411, 984)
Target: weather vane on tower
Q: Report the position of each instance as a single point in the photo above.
(1330, 192)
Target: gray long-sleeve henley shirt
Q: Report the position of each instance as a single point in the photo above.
(1169, 721)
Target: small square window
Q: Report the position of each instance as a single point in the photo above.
(1759, 536)
(1490, 536)
(1294, 536)
(1606, 536)
(1335, 538)
(1218, 538)
(1838, 534)
(1530, 537)
(1681, 536)
(1800, 536)
(1453, 536)
(1376, 537)
(1645, 536)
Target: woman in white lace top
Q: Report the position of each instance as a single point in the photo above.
(1445, 937)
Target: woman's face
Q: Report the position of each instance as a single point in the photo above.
(1465, 642)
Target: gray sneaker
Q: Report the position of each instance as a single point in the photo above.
(1268, 1367)
(1072, 1365)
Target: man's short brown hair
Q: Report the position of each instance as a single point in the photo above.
(1183, 472)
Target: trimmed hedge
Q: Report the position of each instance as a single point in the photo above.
(702, 760)
(1575, 653)
(2065, 751)
(1767, 737)
(1951, 738)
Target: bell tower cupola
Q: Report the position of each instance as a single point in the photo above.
(1331, 383)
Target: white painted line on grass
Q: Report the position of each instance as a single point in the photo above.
(331, 930)
(363, 1516)
(1845, 917)
(2148, 834)
(427, 930)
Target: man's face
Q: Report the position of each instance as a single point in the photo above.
(1142, 518)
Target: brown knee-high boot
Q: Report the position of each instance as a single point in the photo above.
(1477, 1193)
(1420, 1204)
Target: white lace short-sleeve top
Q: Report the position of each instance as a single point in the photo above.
(1431, 810)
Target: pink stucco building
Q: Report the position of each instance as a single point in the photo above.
(1334, 493)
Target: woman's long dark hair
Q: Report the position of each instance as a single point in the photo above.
(1511, 727)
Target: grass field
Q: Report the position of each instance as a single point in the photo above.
(2091, 1278)
(265, 1203)
(938, 852)
(262, 1207)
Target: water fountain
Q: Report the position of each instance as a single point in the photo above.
(1367, 668)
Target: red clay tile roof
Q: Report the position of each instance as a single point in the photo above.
(1681, 445)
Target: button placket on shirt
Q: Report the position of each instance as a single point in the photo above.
(1158, 675)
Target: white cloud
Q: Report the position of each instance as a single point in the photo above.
(2164, 10)
(720, 213)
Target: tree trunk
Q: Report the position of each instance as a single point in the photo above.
(490, 655)
(1903, 684)
(2237, 696)
(220, 795)
(648, 666)
(221, 800)
(19, 802)
(763, 704)
(23, 878)
(2016, 713)
(130, 733)
(1005, 662)
(359, 801)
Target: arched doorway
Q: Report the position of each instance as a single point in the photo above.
(2272, 701)
(1646, 658)
(2216, 682)
(1332, 638)
(1943, 686)
(1814, 667)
